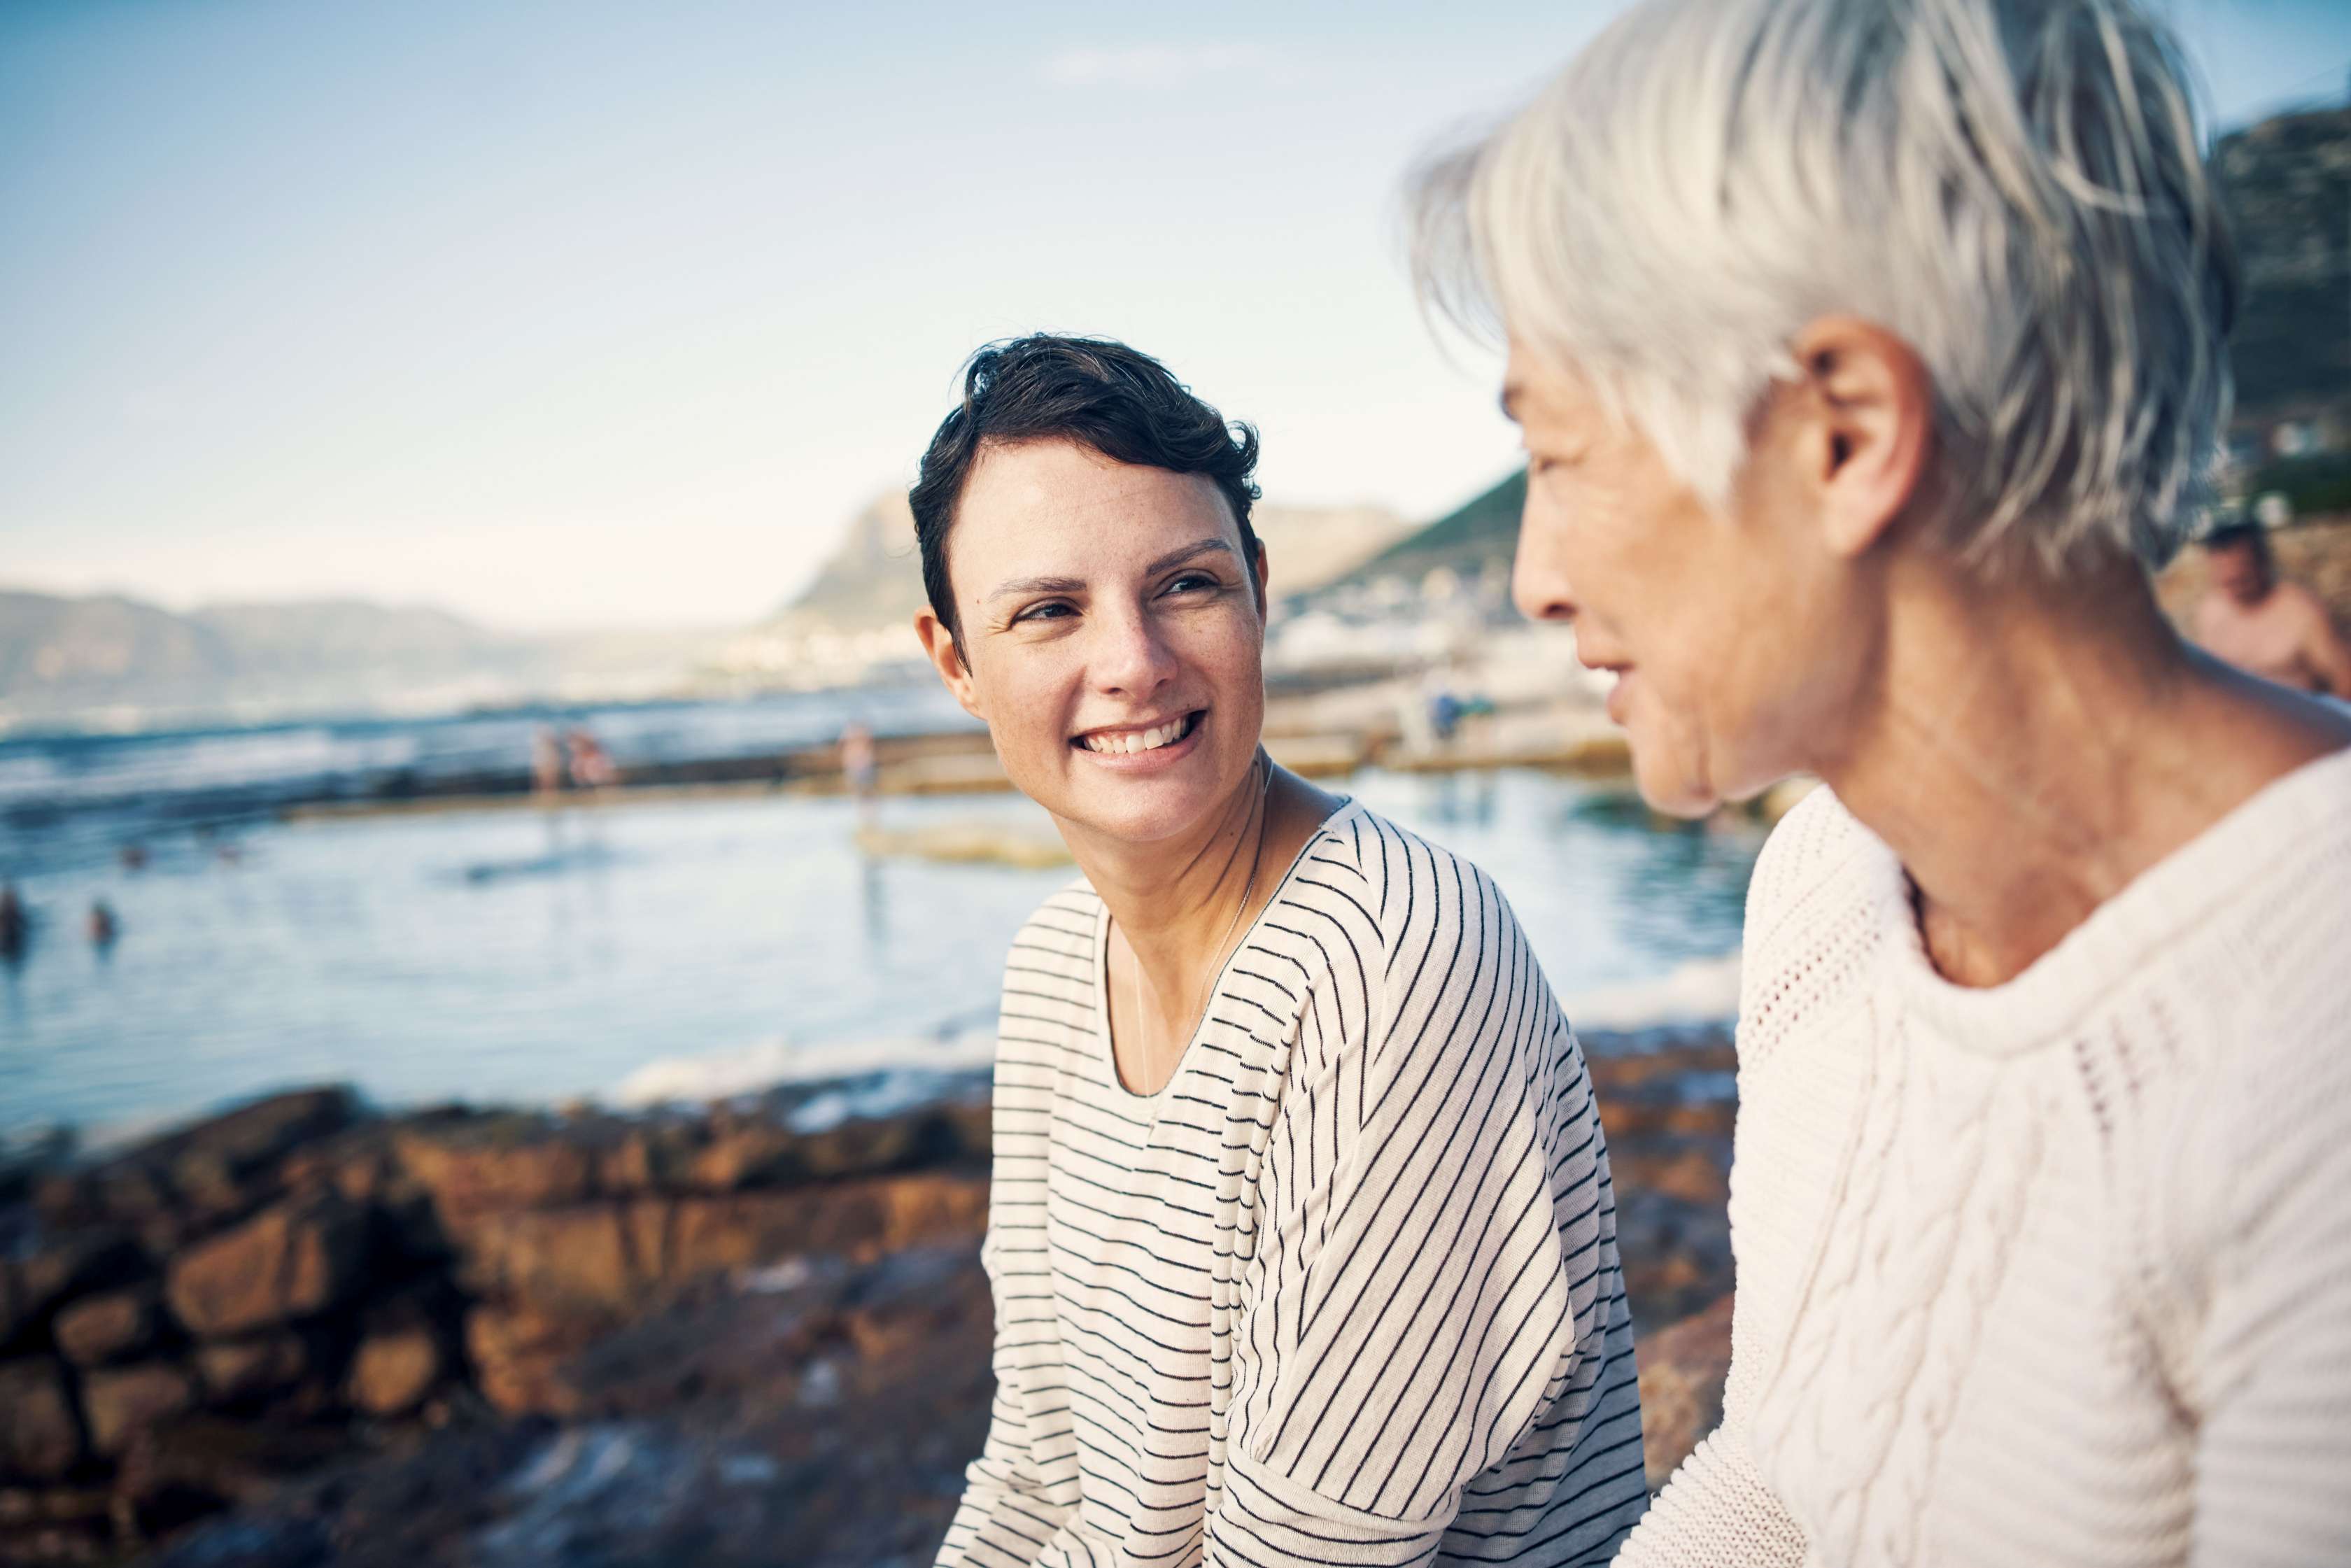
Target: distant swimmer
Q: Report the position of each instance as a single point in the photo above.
(134, 856)
(2277, 630)
(103, 926)
(16, 925)
(591, 765)
(860, 766)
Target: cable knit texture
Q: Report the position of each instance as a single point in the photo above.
(2057, 1271)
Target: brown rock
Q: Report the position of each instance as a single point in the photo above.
(858, 1219)
(64, 1266)
(291, 1262)
(646, 1159)
(38, 1435)
(394, 1372)
(113, 1326)
(1682, 1372)
(583, 1257)
(121, 1403)
(1694, 1174)
(357, 1163)
(863, 1146)
(518, 1353)
(239, 1372)
(489, 1164)
(748, 1155)
(167, 1188)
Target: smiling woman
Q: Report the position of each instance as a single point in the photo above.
(1301, 1233)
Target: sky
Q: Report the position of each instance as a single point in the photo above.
(581, 314)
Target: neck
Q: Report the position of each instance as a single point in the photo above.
(1172, 900)
(2025, 760)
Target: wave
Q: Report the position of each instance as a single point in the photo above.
(869, 1072)
(1700, 991)
(874, 1077)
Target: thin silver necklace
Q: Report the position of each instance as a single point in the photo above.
(1264, 767)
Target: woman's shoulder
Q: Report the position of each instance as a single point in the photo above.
(1396, 885)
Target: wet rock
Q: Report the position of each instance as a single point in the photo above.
(39, 1436)
(394, 1372)
(292, 1261)
(113, 1326)
(1682, 1372)
(120, 1403)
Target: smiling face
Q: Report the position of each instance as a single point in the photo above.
(1113, 636)
(1741, 638)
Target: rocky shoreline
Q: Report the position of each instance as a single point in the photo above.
(306, 1332)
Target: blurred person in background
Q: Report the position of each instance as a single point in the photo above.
(2258, 621)
(1866, 353)
(546, 762)
(1301, 1231)
(860, 767)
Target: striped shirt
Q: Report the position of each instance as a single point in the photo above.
(1344, 1291)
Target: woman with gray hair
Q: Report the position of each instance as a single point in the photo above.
(1868, 353)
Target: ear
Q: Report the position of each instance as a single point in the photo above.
(1868, 427)
(939, 645)
(1257, 570)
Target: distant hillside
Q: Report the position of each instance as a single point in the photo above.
(874, 578)
(63, 658)
(1481, 529)
(2287, 182)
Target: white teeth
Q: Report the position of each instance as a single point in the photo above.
(1134, 740)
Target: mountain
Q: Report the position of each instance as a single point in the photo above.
(1481, 529)
(65, 658)
(2287, 185)
(874, 578)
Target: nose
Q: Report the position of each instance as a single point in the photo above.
(1538, 584)
(1130, 657)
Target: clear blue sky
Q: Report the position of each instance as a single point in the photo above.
(597, 314)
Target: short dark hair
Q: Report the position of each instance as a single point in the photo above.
(1099, 394)
(2243, 534)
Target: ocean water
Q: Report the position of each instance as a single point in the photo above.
(521, 955)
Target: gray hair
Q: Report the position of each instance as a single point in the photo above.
(2014, 187)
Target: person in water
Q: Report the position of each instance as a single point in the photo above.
(1866, 356)
(2259, 622)
(1301, 1234)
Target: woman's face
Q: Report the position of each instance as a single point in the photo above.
(1113, 639)
(1737, 638)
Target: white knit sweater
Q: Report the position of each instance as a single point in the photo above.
(2057, 1271)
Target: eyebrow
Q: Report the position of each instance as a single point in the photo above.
(1074, 585)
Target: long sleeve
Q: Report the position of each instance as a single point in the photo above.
(1716, 1509)
(2270, 1364)
(1439, 1267)
(1007, 1519)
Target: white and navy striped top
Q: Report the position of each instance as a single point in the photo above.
(1345, 1290)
